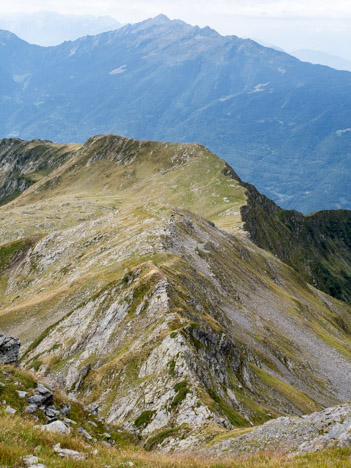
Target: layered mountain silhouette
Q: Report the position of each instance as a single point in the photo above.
(283, 124)
(48, 28)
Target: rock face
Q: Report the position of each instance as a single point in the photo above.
(297, 435)
(171, 346)
(9, 349)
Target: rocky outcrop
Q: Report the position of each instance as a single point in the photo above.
(293, 435)
(9, 349)
(73, 420)
(43, 400)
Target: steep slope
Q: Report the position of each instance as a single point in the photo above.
(24, 163)
(318, 246)
(283, 124)
(125, 298)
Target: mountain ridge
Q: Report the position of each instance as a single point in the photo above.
(287, 234)
(132, 284)
(174, 82)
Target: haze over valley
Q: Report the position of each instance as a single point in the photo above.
(283, 124)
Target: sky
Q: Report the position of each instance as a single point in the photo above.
(290, 24)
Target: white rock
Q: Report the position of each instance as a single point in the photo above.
(85, 433)
(67, 453)
(10, 410)
(30, 460)
(69, 421)
(57, 426)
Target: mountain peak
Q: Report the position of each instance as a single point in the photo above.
(161, 18)
(158, 20)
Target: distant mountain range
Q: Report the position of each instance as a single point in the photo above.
(322, 58)
(48, 28)
(283, 124)
(317, 57)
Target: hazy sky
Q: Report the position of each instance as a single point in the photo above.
(291, 24)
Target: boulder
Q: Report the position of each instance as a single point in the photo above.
(56, 426)
(30, 460)
(65, 409)
(42, 398)
(30, 409)
(84, 433)
(67, 453)
(10, 410)
(43, 390)
(35, 399)
(9, 349)
(51, 413)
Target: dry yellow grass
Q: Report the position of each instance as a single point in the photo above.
(20, 437)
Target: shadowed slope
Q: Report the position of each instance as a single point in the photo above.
(23, 163)
(318, 246)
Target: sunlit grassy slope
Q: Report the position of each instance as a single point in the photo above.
(110, 173)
